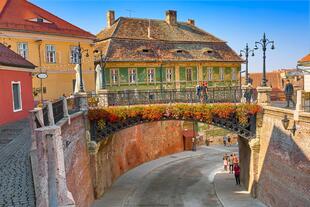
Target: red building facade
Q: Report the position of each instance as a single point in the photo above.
(16, 97)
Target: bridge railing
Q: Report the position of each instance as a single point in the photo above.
(156, 96)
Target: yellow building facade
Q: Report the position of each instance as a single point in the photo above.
(61, 73)
(51, 44)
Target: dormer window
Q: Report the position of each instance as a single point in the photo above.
(209, 51)
(40, 20)
(179, 51)
(146, 51)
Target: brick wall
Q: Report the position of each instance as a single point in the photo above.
(133, 146)
(77, 161)
(284, 161)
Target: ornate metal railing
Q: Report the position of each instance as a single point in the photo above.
(58, 111)
(73, 105)
(45, 116)
(100, 131)
(137, 97)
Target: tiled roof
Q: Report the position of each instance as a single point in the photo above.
(126, 39)
(10, 58)
(305, 59)
(18, 15)
(133, 28)
(132, 50)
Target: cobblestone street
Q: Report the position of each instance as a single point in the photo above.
(16, 183)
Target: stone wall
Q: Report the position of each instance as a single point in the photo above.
(131, 147)
(77, 161)
(284, 160)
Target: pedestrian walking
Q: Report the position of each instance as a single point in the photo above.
(206, 97)
(194, 144)
(229, 141)
(203, 93)
(231, 164)
(248, 93)
(198, 90)
(225, 161)
(224, 141)
(235, 159)
(237, 174)
(289, 91)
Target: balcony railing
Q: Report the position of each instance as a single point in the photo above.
(139, 97)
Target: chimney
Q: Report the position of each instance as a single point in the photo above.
(191, 22)
(110, 18)
(171, 17)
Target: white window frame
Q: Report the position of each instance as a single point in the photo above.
(209, 73)
(169, 74)
(114, 76)
(151, 75)
(187, 69)
(50, 53)
(222, 76)
(74, 55)
(132, 77)
(23, 51)
(20, 96)
(233, 74)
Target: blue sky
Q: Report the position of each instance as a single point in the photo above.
(236, 21)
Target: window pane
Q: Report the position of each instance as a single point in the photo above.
(16, 96)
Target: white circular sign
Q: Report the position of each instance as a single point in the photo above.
(42, 75)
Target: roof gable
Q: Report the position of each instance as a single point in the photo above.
(10, 58)
(18, 15)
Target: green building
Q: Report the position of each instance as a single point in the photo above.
(149, 53)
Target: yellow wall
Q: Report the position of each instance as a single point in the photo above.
(60, 74)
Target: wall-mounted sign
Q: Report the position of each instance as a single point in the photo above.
(42, 75)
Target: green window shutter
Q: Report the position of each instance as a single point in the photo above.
(107, 75)
(123, 75)
(157, 72)
(194, 73)
(142, 75)
(164, 73)
(205, 73)
(228, 70)
(182, 74)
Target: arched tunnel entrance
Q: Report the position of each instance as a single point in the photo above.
(128, 137)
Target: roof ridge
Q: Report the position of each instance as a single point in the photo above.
(78, 28)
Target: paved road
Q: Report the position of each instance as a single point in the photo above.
(16, 183)
(185, 182)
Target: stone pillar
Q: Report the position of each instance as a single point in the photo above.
(82, 97)
(50, 114)
(65, 107)
(263, 97)
(49, 171)
(254, 160)
(299, 104)
(200, 73)
(103, 98)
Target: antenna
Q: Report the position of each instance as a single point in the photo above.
(130, 12)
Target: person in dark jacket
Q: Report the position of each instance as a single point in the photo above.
(237, 174)
(289, 91)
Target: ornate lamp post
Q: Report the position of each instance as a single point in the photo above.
(264, 43)
(246, 51)
(102, 65)
(80, 55)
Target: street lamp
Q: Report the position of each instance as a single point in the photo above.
(285, 123)
(246, 51)
(264, 43)
(79, 51)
